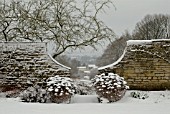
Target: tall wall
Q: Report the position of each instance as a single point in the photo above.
(22, 63)
(145, 64)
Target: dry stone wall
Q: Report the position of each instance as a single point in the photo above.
(24, 63)
(145, 65)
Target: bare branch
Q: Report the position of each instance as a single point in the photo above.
(152, 27)
(61, 21)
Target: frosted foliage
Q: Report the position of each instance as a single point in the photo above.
(84, 87)
(139, 95)
(60, 89)
(34, 94)
(110, 86)
(56, 89)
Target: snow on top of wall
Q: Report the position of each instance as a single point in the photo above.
(115, 63)
(143, 42)
(58, 62)
(132, 42)
(29, 46)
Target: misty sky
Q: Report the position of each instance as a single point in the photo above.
(128, 13)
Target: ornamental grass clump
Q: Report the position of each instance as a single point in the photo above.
(109, 86)
(60, 89)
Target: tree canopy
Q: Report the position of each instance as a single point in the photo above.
(113, 51)
(156, 26)
(68, 23)
(152, 27)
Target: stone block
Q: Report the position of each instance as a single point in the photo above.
(163, 81)
(149, 78)
(138, 80)
(159, 74)
(155, 78)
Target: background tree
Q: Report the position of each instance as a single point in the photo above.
(72, 63)
(152, 27)
(155, 26)
(8, 29)
(114, 50)
(68, 23)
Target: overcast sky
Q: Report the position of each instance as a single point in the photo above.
(129, 12)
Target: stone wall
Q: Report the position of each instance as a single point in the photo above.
(23, 63)
(145, 65)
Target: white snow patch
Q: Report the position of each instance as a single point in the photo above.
(157, 103)
(143, 42)
(132, 42)
(58, 62)
(138, 42)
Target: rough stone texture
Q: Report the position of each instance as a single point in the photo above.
(21, 63)
(145, 66)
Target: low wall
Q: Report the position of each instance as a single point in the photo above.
(145, 65)
(23, 63)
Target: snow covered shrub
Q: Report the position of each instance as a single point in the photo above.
(34, 94)
(60, 89)
(29, 95)
(139, 95)
(12, 94)
(84, 87)
(110, 86)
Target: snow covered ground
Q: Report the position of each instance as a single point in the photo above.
(157, 103)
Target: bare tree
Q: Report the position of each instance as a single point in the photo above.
(152, 27)
(8, 29)
(68, 23)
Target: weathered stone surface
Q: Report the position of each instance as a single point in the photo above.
(21, 63)
(147, 62)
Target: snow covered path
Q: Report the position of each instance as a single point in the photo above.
(157, 103)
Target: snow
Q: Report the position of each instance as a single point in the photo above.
(106, 81)
(157, 103)
(58, 62)
(132, 42)
(57, 83)
(138, 42)
(143, 42)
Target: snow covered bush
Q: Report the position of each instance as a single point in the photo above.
(84, 87)
(29, 95)
(110, 86)
(34, 94)
(60, 89)
(56, 89)
(139, 95)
